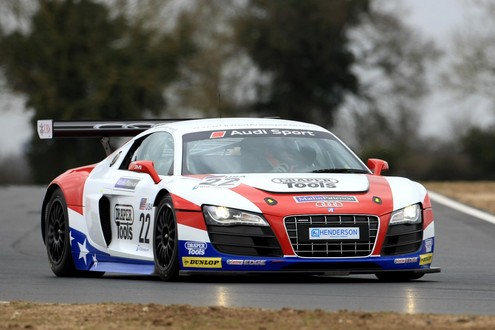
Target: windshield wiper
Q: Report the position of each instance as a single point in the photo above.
(341, 170)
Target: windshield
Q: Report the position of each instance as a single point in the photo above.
(266, 151)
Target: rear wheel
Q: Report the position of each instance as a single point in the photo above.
(165, 241)
(398, 276)
(57, 239)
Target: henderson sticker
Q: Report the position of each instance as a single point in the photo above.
(202, 262)
(307, 182)
(334, 233)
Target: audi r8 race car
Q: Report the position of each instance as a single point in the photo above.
(232, 195)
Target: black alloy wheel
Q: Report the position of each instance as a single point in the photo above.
(165, 241)
(57, 239)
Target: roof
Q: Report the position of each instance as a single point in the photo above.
(241, 123)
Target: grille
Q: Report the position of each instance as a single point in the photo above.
(245, 240)
(403, 239)
(298, 230)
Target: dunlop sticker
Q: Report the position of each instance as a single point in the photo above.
(202, 262)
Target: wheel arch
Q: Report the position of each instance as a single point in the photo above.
(162, 193)
(71, 183)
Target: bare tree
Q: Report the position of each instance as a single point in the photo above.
(471, 72)
(393, 72)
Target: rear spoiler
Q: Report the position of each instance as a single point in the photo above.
(49, 129)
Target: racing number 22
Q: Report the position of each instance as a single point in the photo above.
(145, 222)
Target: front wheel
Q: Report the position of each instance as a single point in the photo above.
(165, 241)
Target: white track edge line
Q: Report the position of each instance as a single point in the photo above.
(462, 207)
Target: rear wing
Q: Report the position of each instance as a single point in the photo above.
(49, 129)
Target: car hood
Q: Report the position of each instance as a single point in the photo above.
(251, 191)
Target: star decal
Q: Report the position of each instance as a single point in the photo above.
(83, 251)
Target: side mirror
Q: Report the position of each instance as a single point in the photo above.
(145, 166)
(377, 165)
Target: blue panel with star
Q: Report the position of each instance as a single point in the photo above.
(88, 258)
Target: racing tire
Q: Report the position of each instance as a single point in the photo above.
(398, 276)
(57, 238)
(165, 241)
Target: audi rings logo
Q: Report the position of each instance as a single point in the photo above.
(329, 204)
(307, 182)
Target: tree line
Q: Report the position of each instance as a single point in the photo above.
(315, 61)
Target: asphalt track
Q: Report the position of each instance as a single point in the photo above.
(465, 250)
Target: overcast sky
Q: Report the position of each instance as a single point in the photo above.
(435, 19)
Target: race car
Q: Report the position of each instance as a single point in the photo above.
(232, 195)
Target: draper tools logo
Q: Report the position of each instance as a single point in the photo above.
(196, 248)
(307, 182)
(124, 218)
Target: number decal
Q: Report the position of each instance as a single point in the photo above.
(229, 181)
(145, 222)
(210, 181)
(220, 181)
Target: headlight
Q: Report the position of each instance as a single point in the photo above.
(409, 215)
(224, 216)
